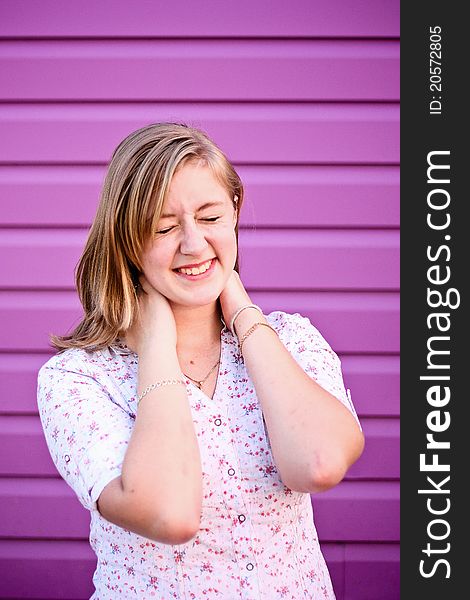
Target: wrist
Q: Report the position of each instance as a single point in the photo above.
(156, 365)
(246, 319)
(160, 332)
(157, 349)
(248, 307)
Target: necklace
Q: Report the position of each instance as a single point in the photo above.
(200, 383)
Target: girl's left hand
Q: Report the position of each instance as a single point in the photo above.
(233, 297)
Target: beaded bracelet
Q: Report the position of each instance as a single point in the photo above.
(250, 331)
(159, 384)
(239, 311)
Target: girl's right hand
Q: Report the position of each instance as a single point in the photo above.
(154, 322)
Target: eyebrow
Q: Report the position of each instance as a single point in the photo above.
(207, 205)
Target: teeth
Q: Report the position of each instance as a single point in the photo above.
(196, 270)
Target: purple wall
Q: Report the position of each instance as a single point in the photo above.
(303, 96)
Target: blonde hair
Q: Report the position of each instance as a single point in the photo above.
(134, 190)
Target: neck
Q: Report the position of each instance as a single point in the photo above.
(197, 328)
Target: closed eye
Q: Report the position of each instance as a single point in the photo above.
(205, 219)
(167, 230)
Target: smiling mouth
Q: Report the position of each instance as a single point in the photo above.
(199, 270)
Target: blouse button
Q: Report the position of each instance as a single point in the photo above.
(250, 567)
(231, 471)
(241, 518)
(218, 422)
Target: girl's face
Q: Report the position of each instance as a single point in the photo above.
(193, 251)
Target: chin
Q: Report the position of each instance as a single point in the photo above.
(197, 299)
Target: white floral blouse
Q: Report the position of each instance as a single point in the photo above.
(257, 538)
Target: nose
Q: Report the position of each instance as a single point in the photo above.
(193, 241)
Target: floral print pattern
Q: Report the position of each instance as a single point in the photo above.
(257, 538)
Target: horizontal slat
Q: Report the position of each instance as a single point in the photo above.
(46, 569)
(64, 569)
(371, 571)
(334, 557)
(200, 70)
(41, 508)
(358, 511)
(325, 259)
(264, 18)
(374, 382)
(18, 382)
(286, 133)
(352, 323)
(381, 456)
(291, 196)
(45, 196)
(24, 450)
(294, 196)
(352, 511)
(40, 314)
(364, 571)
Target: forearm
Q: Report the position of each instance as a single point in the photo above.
(162, 467)
(314, 438)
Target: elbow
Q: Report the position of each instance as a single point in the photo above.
(174, 519)
(327, 468)
(328, 472)
(326, 478)
(173, 525)
(318, 478)
(171, 529)
(359, 448)
(178, 532)
(183, 535)
(176, 524)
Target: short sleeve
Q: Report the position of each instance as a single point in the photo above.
(313, 353)
(86, 432)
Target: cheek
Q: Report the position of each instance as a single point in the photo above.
(154, 262)
(231, 249)
(227, 241)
